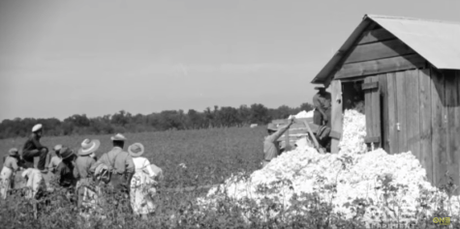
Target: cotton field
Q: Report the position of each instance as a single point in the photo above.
(370, 186)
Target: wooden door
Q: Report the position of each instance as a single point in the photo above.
(372, 111)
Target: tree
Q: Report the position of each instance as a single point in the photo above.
(259, 114)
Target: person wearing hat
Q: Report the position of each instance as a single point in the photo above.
(55, 160)
(65, 170)
(83, 165)
(322, 105)
(143, 179)
(271, 143)
(120, 163)
(10, 166)
(33, 148)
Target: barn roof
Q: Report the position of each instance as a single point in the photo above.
(436, 41)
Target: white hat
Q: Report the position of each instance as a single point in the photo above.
(37, 128)
(88, 147)
(118, 137)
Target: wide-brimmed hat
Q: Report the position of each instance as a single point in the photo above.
(13, 152)
(272, 126)
(37, 127)
(57, 147)
(136, 149)
(66, 153)
(88, 147)
(118, 137)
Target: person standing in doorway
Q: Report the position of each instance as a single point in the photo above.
(322, 104)
(33, 148)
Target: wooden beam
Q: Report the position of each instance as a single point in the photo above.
(392, 113)
(376, 35)
(371, 85)
(378, 50)
(336, 114)
(373, 67)
(438, 126)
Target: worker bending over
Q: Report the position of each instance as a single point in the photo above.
(271, 145)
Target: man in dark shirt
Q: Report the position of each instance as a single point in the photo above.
(65, 173)
(33, 148)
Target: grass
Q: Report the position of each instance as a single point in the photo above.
(210, 157)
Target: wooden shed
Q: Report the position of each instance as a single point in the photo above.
(408, 72)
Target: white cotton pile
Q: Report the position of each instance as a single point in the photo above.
(302, 114)
(391, 187)
(354, 132)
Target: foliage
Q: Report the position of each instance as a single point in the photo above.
(80, 124)
(209, 157)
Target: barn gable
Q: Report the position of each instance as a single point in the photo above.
(393, 43)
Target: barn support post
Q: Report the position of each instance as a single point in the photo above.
(336, 115)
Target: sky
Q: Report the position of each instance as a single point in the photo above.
(59, 58)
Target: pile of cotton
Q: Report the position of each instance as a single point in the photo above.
(372, 186)
(354, 132)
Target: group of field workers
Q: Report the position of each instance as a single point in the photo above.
(86, 180)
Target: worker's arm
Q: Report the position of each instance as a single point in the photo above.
(37, 143)
(280, 132)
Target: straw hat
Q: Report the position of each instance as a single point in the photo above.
(136, 149)
(66, 153)
(88, 147)
(118, 137)
(272, 126)
(13, 152)
(37, 128)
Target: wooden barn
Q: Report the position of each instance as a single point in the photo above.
(407, 73)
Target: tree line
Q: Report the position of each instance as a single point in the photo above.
(123, 121)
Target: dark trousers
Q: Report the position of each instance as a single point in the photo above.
(29, 156)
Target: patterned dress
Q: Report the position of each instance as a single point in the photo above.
(142, 187)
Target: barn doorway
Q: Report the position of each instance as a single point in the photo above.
(353, 95)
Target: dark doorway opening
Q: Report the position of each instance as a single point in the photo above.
(353, 95)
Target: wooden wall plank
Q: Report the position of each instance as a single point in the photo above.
(452, 106)
(368, 109)
(374, 67)
(336, 113)
(376, 35)
(401, 115)
(378, 50)
(392, 114)
(457, 121)
(376, 118)
(384, 111)
(412, 89)
(425, 123)
(438, 126)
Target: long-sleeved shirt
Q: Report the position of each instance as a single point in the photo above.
(271, 145)
(64, 175)
(11, 163)
(54, 163)
(83, 165)
(322, 101)
(120, 162)
(32, 143)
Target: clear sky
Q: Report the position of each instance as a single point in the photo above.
(59, 58)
